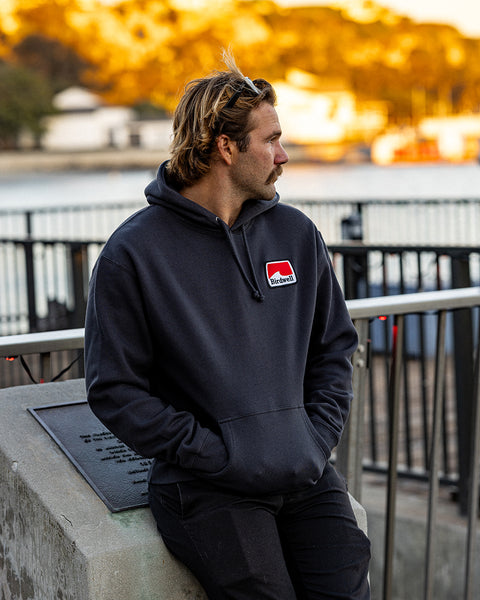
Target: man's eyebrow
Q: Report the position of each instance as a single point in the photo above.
(274, 134)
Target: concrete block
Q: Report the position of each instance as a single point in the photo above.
(360, 514)
(58, 540)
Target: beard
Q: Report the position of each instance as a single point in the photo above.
(274, 175)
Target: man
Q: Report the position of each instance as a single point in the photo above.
(218, 342)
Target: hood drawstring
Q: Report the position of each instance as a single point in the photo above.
(256, 293)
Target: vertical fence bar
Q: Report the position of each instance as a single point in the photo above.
(45, 367)
(463, 355)
(31, 295)
(394, 410)
(435, 455)
(423, 372)
(350, 449)
(28, 223)
(474, 481)
(372, 404)
(79, 262)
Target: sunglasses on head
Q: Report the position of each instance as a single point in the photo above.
(247, 83)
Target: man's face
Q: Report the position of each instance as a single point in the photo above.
(255, 171)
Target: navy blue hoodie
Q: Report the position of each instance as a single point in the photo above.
(224, 353)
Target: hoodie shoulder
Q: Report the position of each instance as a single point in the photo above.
(294, 216)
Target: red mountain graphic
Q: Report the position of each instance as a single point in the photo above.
(282, 268)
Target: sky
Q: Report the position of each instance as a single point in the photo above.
(462, 14)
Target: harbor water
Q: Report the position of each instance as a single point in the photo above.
(302, 184)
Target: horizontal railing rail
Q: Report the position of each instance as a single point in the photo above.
(416, 220)
(43, 282)
(41, 343)
(403, 304)
(351, 455)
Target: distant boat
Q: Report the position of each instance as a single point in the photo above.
(418, 151)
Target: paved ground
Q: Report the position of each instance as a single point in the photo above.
(133, 158)
(130, 158)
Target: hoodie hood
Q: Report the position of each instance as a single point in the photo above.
(159, 192)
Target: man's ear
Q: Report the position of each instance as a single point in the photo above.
(226, 148)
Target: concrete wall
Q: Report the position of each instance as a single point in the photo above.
(58, 541)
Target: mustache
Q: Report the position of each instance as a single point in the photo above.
(274, 175)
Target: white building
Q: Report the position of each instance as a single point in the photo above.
(85, 123)
(457, 135)
(314, 113)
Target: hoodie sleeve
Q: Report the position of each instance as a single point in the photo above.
(118, 360)
(328, 377)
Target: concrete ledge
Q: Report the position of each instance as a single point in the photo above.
(58, 540)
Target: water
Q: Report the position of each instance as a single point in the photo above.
(452, 224)
(368, 181)
(46, 190)
(346, 182)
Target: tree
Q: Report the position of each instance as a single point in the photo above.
(58, 63)
(131, 51)
(25, 98)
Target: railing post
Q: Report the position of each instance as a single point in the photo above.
(355, 273)
(350, 449)
(45, 367)
(474, 482)
(463, 356)
(31, 295)
(28, 223)
(434, 455)
(354, 263)
(393, 413)
(79, 262)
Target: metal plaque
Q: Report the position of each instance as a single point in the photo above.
(116, 473)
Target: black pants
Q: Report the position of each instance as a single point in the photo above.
(300, 546)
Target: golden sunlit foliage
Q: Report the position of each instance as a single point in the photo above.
(145, 50)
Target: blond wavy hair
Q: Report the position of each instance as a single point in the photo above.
(204, 113)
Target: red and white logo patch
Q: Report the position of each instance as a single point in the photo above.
(280, 272)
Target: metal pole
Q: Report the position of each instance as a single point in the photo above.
(350, 449)
(394, 409)
(463, 355)
(45, 367)
(435, 455)
(474, 482)
(78, 257)
(31, 294)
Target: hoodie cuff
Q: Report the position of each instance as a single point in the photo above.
(213, 455)
(327, 439)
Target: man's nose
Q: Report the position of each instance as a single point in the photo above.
(281, 157)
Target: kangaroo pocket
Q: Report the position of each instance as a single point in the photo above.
(271, 452)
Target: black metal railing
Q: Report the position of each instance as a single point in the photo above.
(391, 314)
(447, 221)
(43, 283)
(47, 282)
